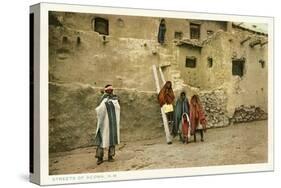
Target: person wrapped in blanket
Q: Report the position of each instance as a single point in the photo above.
(108, 125)
(162, 31)
(166, 99)
(197, 117)
(182, 122)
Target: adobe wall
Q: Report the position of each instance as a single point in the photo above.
(77, 70)
(72, 117)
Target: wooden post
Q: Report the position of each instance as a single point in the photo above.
(162, 75)
(164, 117)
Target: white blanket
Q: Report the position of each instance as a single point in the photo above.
(103, 122)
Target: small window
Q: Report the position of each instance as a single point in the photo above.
(64, 40)
(78, 41)
(238, 67)
(178, 35)
(262, 62)
(210, 62)
(190, 62)
(194, 31)
(101, 25)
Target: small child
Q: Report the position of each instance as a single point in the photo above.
(185, 128)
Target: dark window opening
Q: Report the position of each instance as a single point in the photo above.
(101, 26)
(190, 62)
(238, 67)
(210, 62)
(178, 35)
(78, 41)
(262, 62)
(194, 31)
(64, 40)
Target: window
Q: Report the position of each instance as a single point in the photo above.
(190, 62)
(64, 39)
(210, 62)
(101, 25)
(194, 31)
(238, 67)
(262, 62)
(178, 35)
(78, 40)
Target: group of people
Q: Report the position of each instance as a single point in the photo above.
(184, 118)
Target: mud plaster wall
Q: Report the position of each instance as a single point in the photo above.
(213, 77)
(212, 26)
(250, 89)
(72, 118)
(190, 75)
(127, 52)
(98, 64)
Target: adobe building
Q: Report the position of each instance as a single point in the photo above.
(225, 63)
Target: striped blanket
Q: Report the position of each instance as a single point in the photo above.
(108, 126)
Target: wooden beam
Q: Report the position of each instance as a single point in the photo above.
(263, 43)
(162, 76)
(164, 117)
(245, 40)
(254, 43)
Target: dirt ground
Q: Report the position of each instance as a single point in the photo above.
(242, 143)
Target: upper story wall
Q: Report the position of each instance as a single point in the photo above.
(138, 27)
(124, 57)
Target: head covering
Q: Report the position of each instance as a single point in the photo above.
(166, 94)
(197, 114)
(108, 88)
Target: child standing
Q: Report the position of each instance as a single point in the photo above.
(185, 128)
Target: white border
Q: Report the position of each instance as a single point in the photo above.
(144, 174)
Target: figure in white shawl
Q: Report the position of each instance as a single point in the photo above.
(108, 129)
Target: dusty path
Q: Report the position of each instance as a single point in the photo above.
(236, 144)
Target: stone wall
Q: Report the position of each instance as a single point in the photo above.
(248, 113)
(214, 103)
(215, 107)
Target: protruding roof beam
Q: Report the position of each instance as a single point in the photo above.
(254, 43)
(263, 43)
(245, 40)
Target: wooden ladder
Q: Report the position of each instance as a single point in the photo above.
(164, 117)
